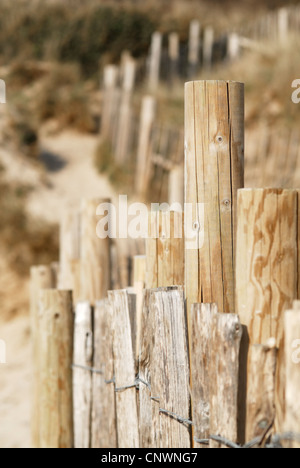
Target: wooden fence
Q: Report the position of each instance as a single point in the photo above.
(200, 348)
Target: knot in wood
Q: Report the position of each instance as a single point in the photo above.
(196, 226)
(219, 139)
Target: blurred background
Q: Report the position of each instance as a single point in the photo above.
(53, 57)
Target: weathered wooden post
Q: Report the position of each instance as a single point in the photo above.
(215, 358)
(169, 369)
(266, 269)
(173, 56)
(292, 365)
(233, 46)
(110, 98)
(125, 112)
(165, 250)
(124, 362)
(82, 380)
(261, 389)
(104, 431)
(208, 44)
(139, 281)
(41, 278)
(283, 24)
(95, 275)
(56, 355)
(194, 48)
(154, 60)
(214, 168)
(143, 168)
(69, 274)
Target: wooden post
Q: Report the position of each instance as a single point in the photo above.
(261, 390)
(283, 24)
(194, 48)
(82, 380)
(233, 46)
(292, 363)
(104, 431)
(169, 368)
(174, 56)
(154, 61)
(40, 278)
(69, 276)
(145, 403)
(139, 281)
(214, 168)
(176, 186)
(126, 401)
(224, 377)
(125, 112)
(110, 95)
(208, 44)
(266, 270)
(201, 335)
(56, 349)
(95, 275)
(143, 169)
(165, 250)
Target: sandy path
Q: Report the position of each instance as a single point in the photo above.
(15, 385)
(72, 175)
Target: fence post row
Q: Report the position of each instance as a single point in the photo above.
(224, 363)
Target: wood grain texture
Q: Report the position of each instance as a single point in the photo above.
(40, 278)
(169, 368)
(145, 404)
(261, 390)
(292, 365)
(165, 250)
(55, 348)
(126, 400)
(202, 316)
(104, 430)
(214, 168)
(266, 271)
(224, 376)
(82, 378)
(95, 267)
